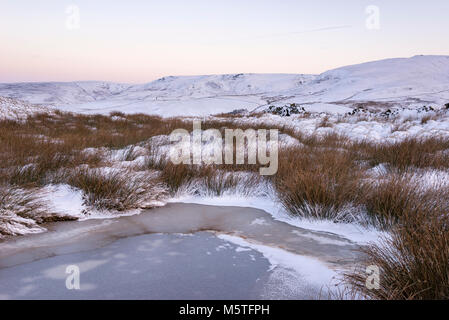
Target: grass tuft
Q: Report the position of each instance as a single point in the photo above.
(116, 190)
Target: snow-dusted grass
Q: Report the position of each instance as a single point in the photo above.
(317, 183)
(13, 109)
(413, 259)
(23, 210)
(115, 190)
(17, 207)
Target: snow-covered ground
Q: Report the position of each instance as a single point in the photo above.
(16, 109)
(416, 81)
(372, 127)
(406, 82)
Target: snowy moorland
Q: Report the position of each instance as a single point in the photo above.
(364, 154)
(411, 82)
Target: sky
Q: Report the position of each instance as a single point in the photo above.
(137, 41)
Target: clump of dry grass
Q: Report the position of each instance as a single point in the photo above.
(414, 257)
(429, 117)
(413, 260)
(208, 179)
(19, 210)
(129, 154)
(23, 203)
(401, 125)
(316, 183)
(388, 200)
(324, 123)
(207, 176)
(329, 141)
(116, 190)
(410, 153)
(175, 176)
(217, 182)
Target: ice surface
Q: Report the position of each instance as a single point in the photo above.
(165, 254)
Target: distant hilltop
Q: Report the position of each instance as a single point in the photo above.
(405, 82)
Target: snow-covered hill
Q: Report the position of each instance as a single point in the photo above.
(231, 84)
(61, 93)
(407, 82)
(16, 109)
(168, 96)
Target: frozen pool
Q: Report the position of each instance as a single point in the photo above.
(181, 251)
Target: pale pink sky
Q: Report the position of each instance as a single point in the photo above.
(139, 41)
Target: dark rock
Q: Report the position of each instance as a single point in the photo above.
(287, 110)
(425, 109)
(358, 110)
(389, 113)
(238, 111)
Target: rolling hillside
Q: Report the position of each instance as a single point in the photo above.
(408, 82)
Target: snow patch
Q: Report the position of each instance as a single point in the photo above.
(312, 270)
